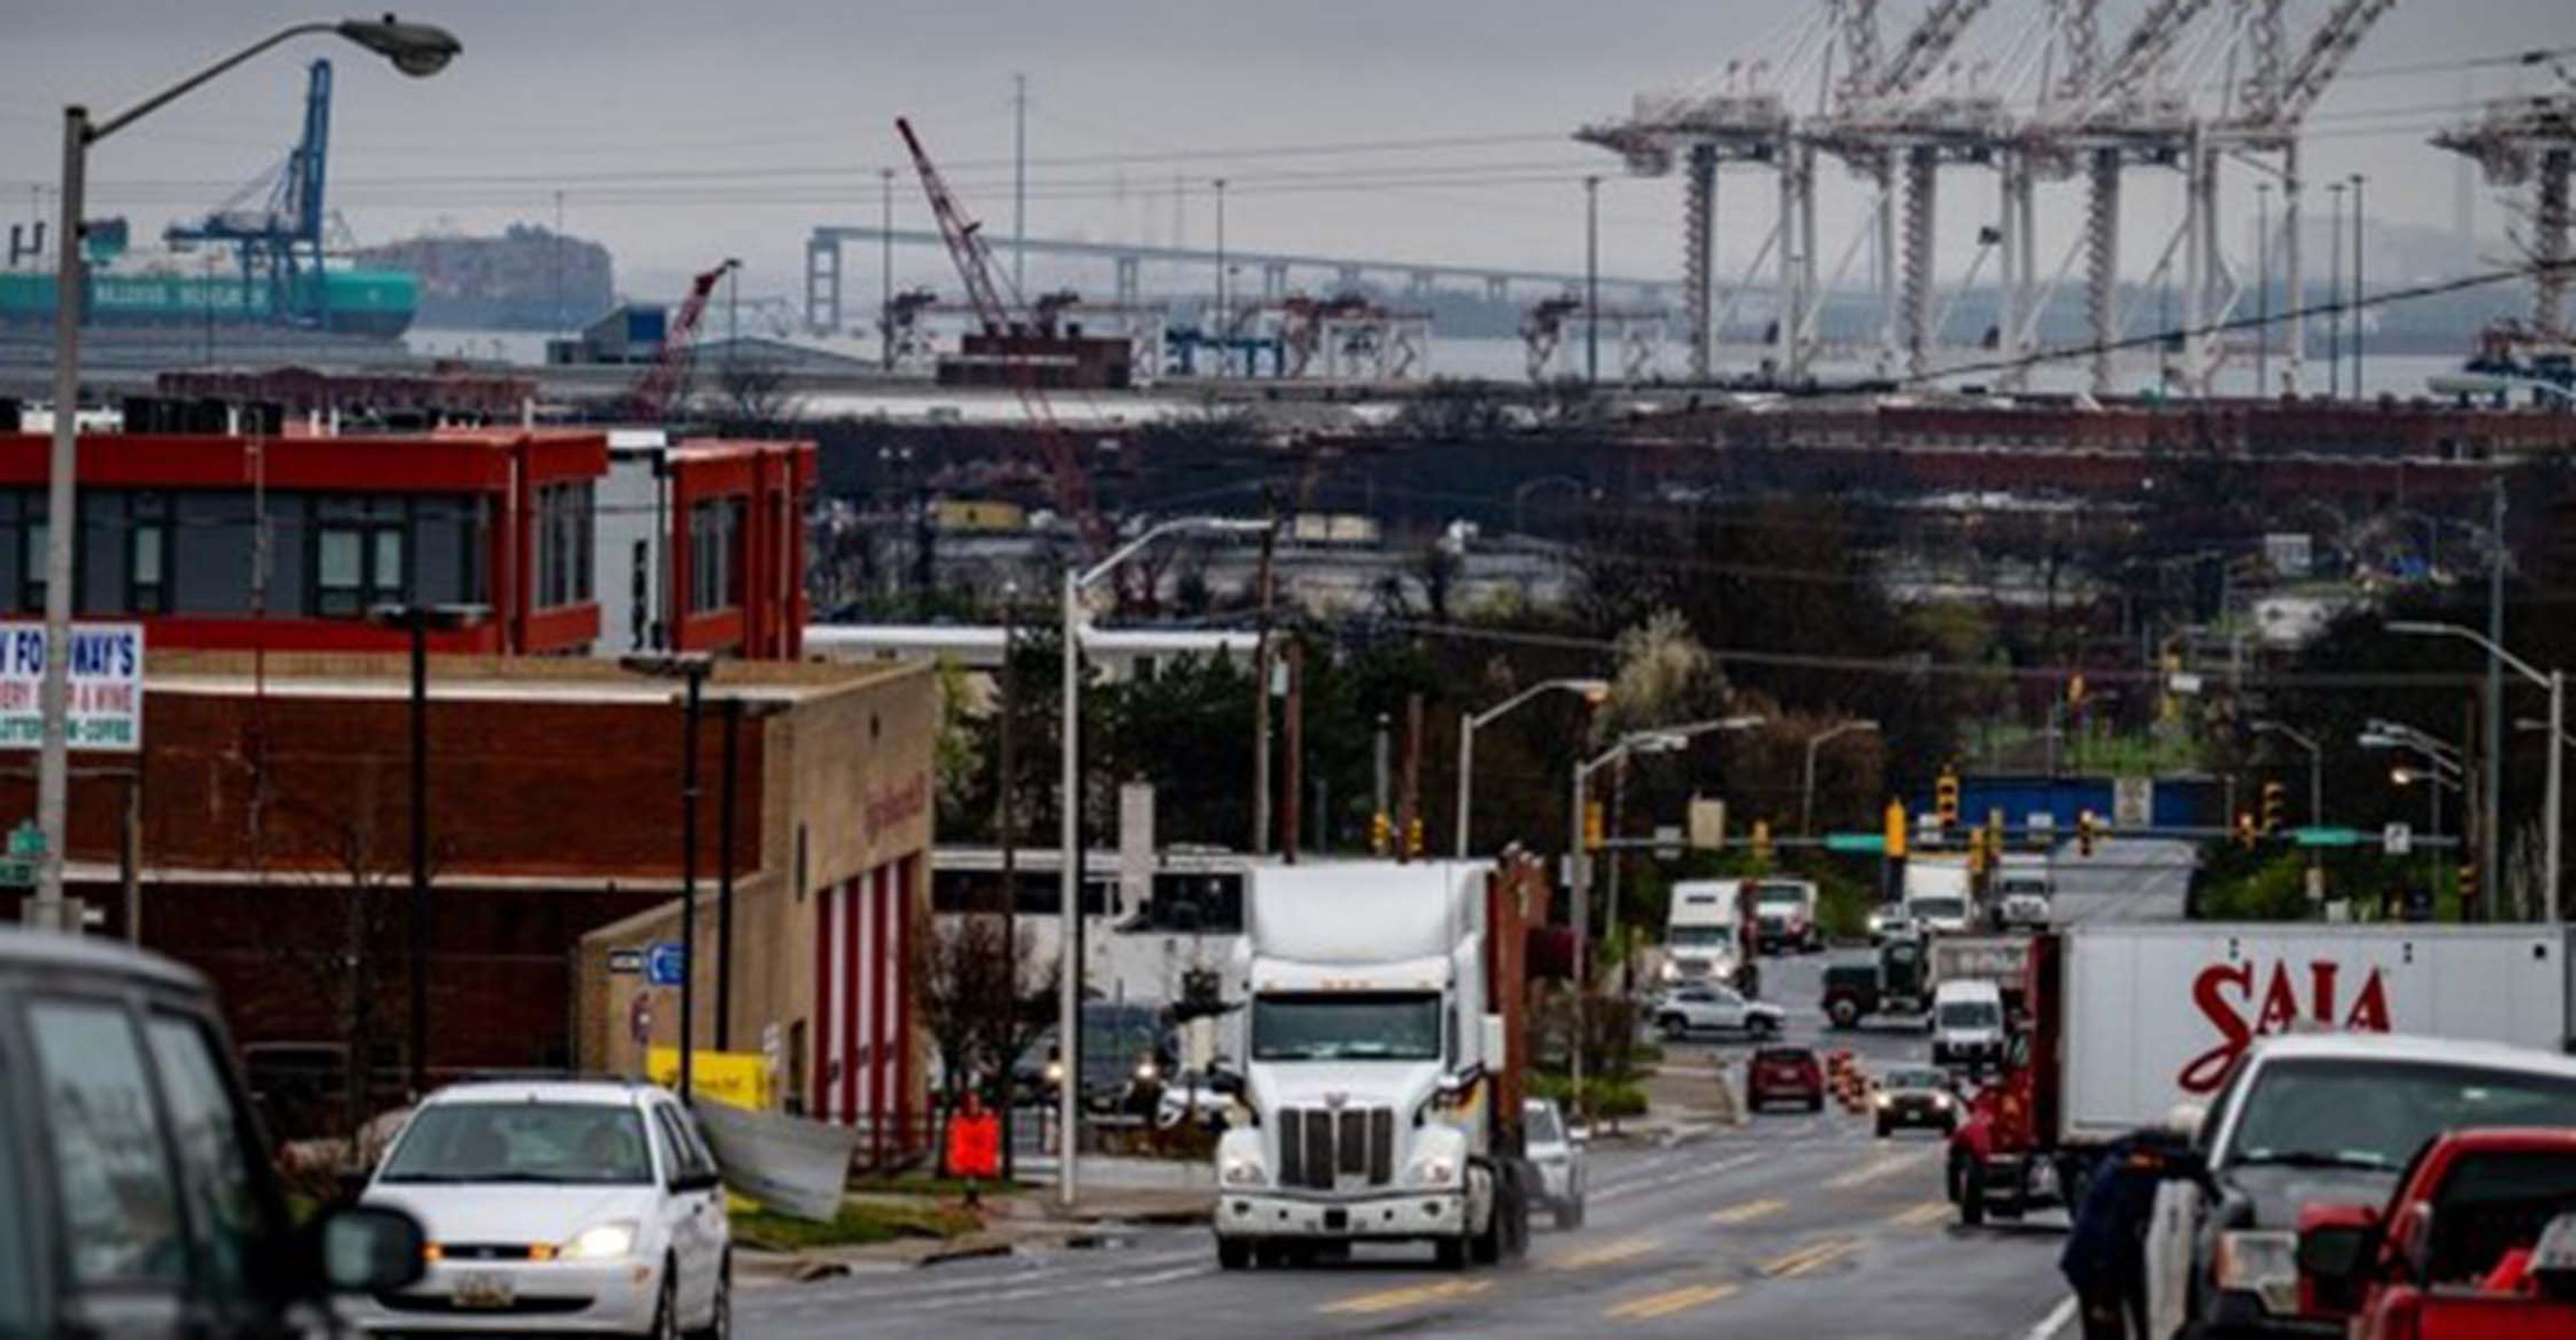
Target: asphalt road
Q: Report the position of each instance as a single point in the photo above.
(1791, 1224)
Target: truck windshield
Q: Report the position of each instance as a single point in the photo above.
(1780, 900)
(2374, 1114)
(1701, 937)
(1347, 1026)
(1937, 909)
(1971, 1014)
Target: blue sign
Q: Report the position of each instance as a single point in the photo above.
(663, 964)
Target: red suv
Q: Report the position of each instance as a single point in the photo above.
(1778, 1073)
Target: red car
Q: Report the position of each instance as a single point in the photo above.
(2478, 1243)
(1779, 1073)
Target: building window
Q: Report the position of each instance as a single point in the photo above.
(147, 554)
(31, 562)
(715, 554)
(565, 533)
(361, 556)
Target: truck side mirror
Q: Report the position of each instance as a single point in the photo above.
(2336, 1251)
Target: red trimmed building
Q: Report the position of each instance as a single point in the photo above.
(217, 542)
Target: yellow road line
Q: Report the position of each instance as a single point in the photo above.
(1619, 1250)
(1924, 1215)
(1388, 1300)
(1876, 1169)
(1666, 1304)
(1748, 1211)
(1813, 1256)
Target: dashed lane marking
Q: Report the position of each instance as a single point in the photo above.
(1878, 1168)
(2058, 1319)
(1670, 1302)
(1925, 1215)
(1748, 1211)
(1390, 1300)
(1620, 1249)
(1813, 1256)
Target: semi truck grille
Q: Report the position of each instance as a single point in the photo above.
(1319, 1146)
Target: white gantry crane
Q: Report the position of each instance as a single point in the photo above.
(2531, 142)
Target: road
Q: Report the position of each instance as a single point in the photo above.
(1786, 1225)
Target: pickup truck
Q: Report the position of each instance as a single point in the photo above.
(2479, 1240)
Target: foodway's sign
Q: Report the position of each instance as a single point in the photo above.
(106, 686)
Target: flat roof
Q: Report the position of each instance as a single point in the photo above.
(499, 678)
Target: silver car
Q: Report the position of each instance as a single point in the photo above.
(1558, 1154)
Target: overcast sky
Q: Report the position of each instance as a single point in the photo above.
(680, 133)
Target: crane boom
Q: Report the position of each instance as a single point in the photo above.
(2328, 48)
(1928, 45)
(2147, 46)
(660, 382)
(1858, 26)
(984, 288)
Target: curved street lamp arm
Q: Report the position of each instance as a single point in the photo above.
(100, 130)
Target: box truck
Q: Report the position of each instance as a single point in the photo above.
(2130, 1022)
(1383, 1016)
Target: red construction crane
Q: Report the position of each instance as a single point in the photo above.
(653, 390)
(985, 289)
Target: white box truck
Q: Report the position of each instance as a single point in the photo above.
(1703, 932)
(2130, 1021)
(1382, 1006)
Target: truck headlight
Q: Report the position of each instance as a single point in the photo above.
(1432, 1170)
(1941, 1101)
(603, 1242)
(1882, 1100)
(2262, 1263)
(1147, 1072)
(1055, 1072)
(1242, 1170)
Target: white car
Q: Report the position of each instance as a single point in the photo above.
(589, 1207)
(1558, 1154)
(1715, 1009)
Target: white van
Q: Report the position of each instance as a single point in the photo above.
(1967, 1023)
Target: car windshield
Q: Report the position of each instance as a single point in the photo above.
(1542, 1125)
(2373, 1114)
(577, 1143)
(1971, 1014)
(1347, 1025)
(2025, 888)
(1781, 900)
(1701, 937)
(1937, 909)
(1784, 1056)
(1916, 1079)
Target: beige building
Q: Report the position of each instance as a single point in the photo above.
(830, 894)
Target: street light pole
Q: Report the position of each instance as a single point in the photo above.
(1069, 806)
(2554, 794)
(415, 49)
(1592, 281)
(693, 667)
(1593, 690)
(1807, 788)
(417, 621)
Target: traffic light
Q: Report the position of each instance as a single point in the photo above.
(1896, 830)
(1762, 840)
(2468, 888)
(1381, 833)
(1413, 837)
(1595, 828)
(2246, 835)
(2085, 825)
(1945, 800)
(1976, 852)
(2275, 799)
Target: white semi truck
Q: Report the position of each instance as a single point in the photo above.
(1383, 1063)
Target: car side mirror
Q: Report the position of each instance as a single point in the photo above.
(695, 1181)
(370, 1249)
(2336, 1251)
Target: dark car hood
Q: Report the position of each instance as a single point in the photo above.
(2277, 1194)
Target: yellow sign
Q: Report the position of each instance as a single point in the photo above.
(736, 1079)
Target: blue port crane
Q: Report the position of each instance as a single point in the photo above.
(278, 239)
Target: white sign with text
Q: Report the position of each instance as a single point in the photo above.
(106, 686)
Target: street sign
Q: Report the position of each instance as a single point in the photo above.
(1668, 842)
(2327, 837)
(1872, 844)
(2133, 802)
(26, 848)
(625, 962)
(2397, 839)
(106, 686)
(664, 964)
(1707, 824)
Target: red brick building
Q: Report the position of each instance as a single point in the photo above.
(274, 836)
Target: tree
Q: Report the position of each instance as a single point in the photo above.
(754, 391)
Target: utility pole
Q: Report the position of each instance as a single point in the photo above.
(1292, 795)
(1410, 804)
(1381, 773)
(1592, 281)
(728, 789)
(1020, 183)
(2263, 290)
(2334, 297)
(1007, 829)
(2493, 826)
(2357, 235)
(1221, 355)
(885, 269)
(1261, 662)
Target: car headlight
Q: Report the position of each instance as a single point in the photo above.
(603, 1242)
(2262, 1263)
(1147, 1072)
(1882, 1100)
(1241, 1170)
(1432, 1170)
(1942, 1101)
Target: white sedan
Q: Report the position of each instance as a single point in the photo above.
(588, 1207)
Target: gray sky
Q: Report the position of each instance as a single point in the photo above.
(679, 133)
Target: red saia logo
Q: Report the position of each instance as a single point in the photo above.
(2225, 994)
